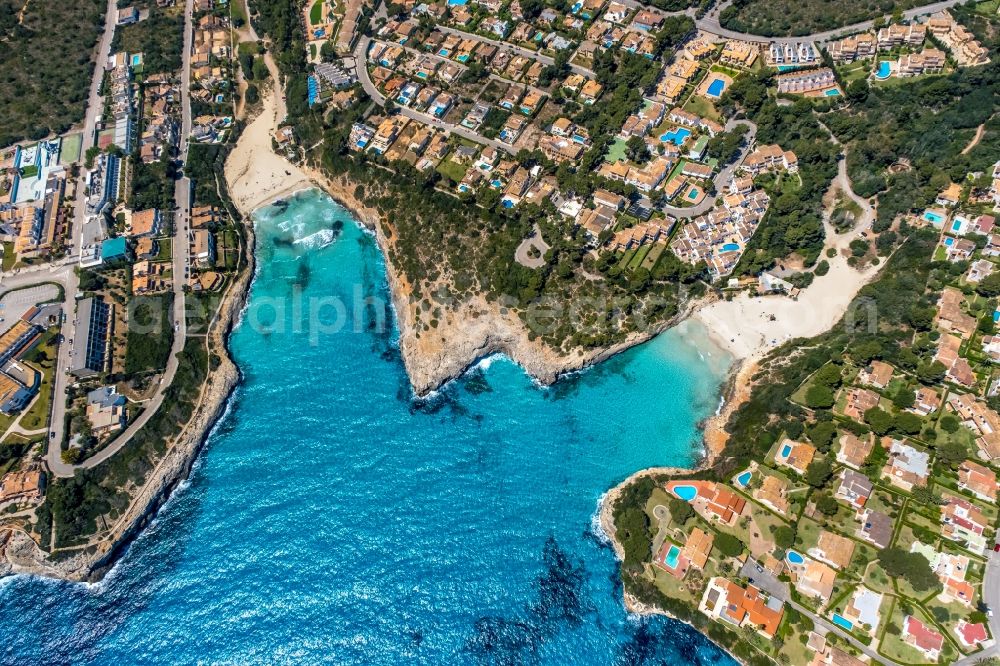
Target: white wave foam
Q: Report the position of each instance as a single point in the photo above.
(595, 522)
(318, 240)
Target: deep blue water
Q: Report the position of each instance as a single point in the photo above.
(332, 518)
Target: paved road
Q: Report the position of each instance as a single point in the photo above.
(463, 67)
(527, 53)
(361, 53)
(991, 596)
(182, 193)
(182, 217)
(710, 23)
(779, 590)
(724, 177)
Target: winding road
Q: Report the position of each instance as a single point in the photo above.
(724, 177)
(66, 277)
(361, 56)
(710, 23)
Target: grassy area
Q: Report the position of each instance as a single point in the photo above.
(702, 107)
(43, 358)
(988, 8)
(617, 151)
(452, 170)
(316, 13)
(70, 150)
(9, 257)
(150, 333)
(165, 252)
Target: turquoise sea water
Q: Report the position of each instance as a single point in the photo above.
(334, 519)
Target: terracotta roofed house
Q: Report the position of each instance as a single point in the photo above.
(833, 549)
(979, 480)
(773, 493)
(854, 450)
(698, 547)
(922, 637)
(726, 601)
(796, 455)
(877, 374)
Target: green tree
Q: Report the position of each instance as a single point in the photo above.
(827, 504)
(951, 454)
(819, 397)
(907, 423)
(879, 420)
(784, 537)
(913, 567)
(680, 510)
(949, 423)
(818, 472)
(728, 545)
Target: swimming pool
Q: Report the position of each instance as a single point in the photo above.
(716, 87)
(496, 183)
(832, 92)
(671, 557)
(454, 3)
(686, 493)
(507, 203)
(444, 53)
(693, 193)
(744, 478)
(785, 450)
(956, 225)
(676, 136)
(136, 59)
(884, 69)
(731, 247)
(842, 622)
(463, 57)
(949, 241)
(931, 216)
(794, 557)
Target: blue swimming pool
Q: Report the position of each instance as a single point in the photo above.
(463, 57)
(496, 183)
(453, 3)
(693, 193)
(136, 59)
(996, 316)
(744, 478)
(785, 450)
(949, 241)
(842, 622)
(671, 557)
(884, 69)
(935, 218)
(312, 88)
(956, 225)
(832, 92)
(676, 136)
(716, 87)
(794, 557)
(730, 247)
(686, 493)
(444, 53)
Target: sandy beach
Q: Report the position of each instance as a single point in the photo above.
(256, 174)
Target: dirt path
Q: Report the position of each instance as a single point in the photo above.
(975, 140)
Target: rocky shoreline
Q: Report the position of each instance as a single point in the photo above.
(23, 556)
(473, 330)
